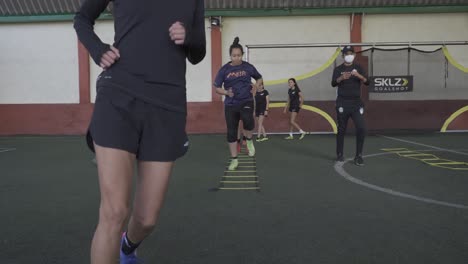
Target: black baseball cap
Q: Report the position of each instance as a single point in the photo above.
(346, 49)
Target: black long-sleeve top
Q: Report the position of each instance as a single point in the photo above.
(151, 66)
(348, 89)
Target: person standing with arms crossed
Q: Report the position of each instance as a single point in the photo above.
(348, 77)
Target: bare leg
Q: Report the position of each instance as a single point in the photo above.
(290, 122)
(115, 168)
(261, 129)
(240, 132)
(248, 134)
(233, 149)
(259, 126)
(293, 123)
(153, 178)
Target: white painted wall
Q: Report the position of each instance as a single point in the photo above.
(38, 64)
(105, 31)
(198, 76)
(39, 61)
(421, 27)
(276, 64)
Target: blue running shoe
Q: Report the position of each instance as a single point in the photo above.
(128, 259)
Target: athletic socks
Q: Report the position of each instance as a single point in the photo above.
(128, 247)
(233, 164)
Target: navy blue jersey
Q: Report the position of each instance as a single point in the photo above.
(239, 79)
(260, 99)
(294, 96)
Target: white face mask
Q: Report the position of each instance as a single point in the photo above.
(349, 58)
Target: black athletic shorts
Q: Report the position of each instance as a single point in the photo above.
(124, 122)
(294, 108)
(235, 113)
(260, 110)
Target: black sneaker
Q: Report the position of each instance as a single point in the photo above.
(339, 158)
(358, 161)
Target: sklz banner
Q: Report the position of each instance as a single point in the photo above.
(391, 84)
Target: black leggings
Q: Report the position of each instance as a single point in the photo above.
(235, 113)
(356, 113)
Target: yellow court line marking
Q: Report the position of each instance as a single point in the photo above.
(245, 188)
(406, 151)
(453, 61)
(246, 167)
(236, 171)
(239, 182)
(243, 176)
(243, 166)
(312, 109)
(393, 149)
(417, 155)
(433, 161)
(428, 157)
(452, 117)
(309, 74)
(446, 163)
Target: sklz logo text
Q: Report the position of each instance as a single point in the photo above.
(391, 84)
(391, 81)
